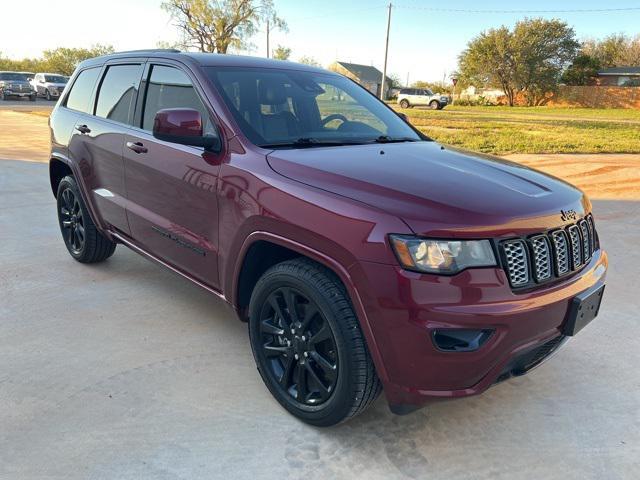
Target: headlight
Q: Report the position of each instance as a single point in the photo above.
(442, 256)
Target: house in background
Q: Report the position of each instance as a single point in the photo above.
(619, 77)
(367, 76)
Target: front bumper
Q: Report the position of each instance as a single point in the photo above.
(17, 93)
(405, 308)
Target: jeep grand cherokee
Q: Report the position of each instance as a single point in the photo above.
(364, 256)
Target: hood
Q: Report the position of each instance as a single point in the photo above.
(437, 191)
(16, 82)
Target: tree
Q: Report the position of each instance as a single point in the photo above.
(582, 70)
(617, 50)
(436, 87)
(309, 61)
(65, 60)
(281, 53)
(216, 25)
(527, 60)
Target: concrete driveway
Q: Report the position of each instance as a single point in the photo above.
(125, 371)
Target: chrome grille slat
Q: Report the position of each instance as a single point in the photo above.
(561, 252)
(545, 256)
(576, 246)
(541, 258)
(592, 233)
(518, 265)
(586, 241)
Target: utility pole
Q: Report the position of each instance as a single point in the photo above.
(386, 53)
(268, 52)
(407, 84)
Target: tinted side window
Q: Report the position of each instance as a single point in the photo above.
(80, 93)
(169, 87)
(118, 92)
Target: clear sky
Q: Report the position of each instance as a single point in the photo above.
(424, 43)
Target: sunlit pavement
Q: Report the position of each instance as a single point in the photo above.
(123, 370)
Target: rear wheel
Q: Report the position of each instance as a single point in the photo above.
(308, 345)
(404, 103)
(81, 237)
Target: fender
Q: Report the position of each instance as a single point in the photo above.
(77, 174)
(337, 268)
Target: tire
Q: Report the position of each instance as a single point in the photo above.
(327, 348)
(81, 237)
(434, 105)
(47, 94)
(404, 103)
(32, 98)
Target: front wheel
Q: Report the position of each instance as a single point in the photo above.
(32, 98)
(308, 345)
(434, 105)
(81, 237)
(47, 95)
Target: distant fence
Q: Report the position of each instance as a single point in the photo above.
(597, 97)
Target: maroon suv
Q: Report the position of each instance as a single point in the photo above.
(363, 255)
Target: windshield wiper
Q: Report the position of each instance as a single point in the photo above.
(388, 139)
(306, 142)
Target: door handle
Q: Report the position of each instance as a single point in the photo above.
(137, 147)
(83, 129)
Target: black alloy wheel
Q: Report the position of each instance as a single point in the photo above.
(83, 240)
(298, 346)
(307, 343)
(71, 221)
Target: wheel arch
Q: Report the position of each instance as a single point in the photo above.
(58, 169)
(246, 275)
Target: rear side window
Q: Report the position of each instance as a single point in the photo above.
(80, 93)
(170, 87)
(118, 92)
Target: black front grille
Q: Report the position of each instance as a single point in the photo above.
(543, 257)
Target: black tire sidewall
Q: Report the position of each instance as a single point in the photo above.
(70, 183)
(339, 405)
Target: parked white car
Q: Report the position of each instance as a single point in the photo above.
(49, 85)
(411, 97)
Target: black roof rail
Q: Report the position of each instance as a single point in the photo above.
(150, 50)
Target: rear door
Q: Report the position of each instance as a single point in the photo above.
(172, 201)
(98, 139)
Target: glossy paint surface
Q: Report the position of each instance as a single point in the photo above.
(199, 212)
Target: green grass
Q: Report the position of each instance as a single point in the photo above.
(504, 130)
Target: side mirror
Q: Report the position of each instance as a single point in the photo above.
(183, 126)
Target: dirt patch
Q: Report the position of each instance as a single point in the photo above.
(605, 176)
(24, 136)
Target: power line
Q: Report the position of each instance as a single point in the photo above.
(463, 10)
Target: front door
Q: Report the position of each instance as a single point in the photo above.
(172, 202)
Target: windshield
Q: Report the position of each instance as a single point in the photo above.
(18, 77)
(290, 108)
(55, 79)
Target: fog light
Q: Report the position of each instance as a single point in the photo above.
(460, 339)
